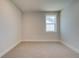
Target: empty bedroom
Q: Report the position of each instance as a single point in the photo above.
(39, 28)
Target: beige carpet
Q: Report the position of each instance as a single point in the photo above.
(41, 50)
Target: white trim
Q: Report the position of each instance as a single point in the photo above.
(40, 41)
(70, 46)
(7, 50)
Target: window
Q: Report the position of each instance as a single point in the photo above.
(51, 23)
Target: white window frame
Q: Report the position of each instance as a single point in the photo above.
(50, 24)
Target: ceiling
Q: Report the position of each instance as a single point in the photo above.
(40, 5)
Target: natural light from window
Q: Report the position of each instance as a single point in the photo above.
(51, 23)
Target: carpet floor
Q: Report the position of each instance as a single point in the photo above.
(41, 50)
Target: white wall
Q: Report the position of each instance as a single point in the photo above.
(70, 24)
(10, 25)
(34, 28)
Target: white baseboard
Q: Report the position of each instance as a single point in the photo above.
(40, 41)
(7, 50)
(70, 46)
